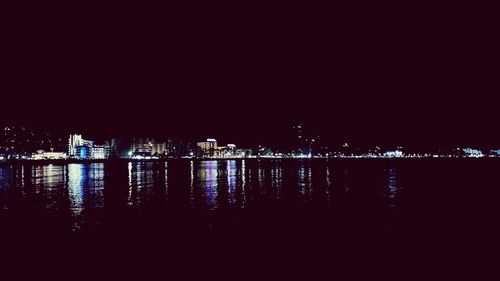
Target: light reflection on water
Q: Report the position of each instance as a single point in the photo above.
(392, 192)
(85, 185)
(79, 189)
(328, 191)
(231, 181)
(140, 183)
(76, 183)
(208, 177)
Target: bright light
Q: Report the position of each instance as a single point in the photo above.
(130, 153)
(211, 140)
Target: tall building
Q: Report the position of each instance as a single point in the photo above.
(299, 143)
(302, 141)
(141, 146)
(74, 141)
(147, 146)
(208, 147)
(177, 149)
(158, 148)
(299, 133)
(83, 149)
(119, 148)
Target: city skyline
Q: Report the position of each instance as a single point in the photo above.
(432, 125)
(22, 143)
(352, 77)
(281, 136)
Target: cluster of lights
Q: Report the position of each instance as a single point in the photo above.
(141, 157)
(85, 149)
(131, 155)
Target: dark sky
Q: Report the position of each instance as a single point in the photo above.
(365, 74)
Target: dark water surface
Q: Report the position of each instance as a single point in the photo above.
(248, 195)
(335, 205)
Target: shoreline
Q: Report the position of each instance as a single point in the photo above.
(89, 161)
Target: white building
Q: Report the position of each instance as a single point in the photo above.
(42, 155)
(147, 146)
(98, 152)
(74, 141)
(393, 154)
(470, 152)
(84, 149)
(208, 145)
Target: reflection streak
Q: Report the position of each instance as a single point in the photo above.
(76, 178)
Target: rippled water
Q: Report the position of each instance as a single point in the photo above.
(245, 195)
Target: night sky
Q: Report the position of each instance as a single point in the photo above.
(245, 74)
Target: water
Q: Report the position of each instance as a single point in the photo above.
(288, 212)
(247, 195)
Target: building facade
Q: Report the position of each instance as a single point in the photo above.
(148, 147)
(79, 148)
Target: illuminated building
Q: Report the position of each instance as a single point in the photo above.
(74, 141)
(141, 146)
(80, 148)
(158, 148)
(147, 146)
(83, 152)
(42, 155)
(208, 147)
(118, 148)
(495, 152)
(98, 152)
(470, 152)
(393, 154)
(228, 151)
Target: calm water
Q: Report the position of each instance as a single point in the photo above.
(251, 196)
(250, 216)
